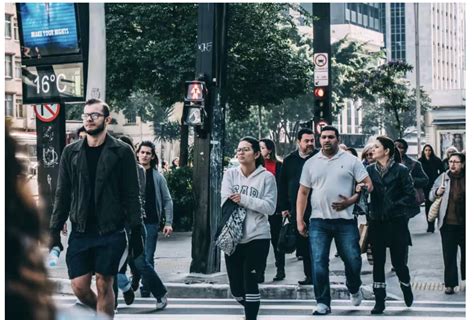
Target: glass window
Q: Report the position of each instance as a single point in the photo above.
(8, 105)
(19, 109)
(8, 66)
(15, 30)
(18, 69)
(8, 26)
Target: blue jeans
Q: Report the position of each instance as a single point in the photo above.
(346, 235)
(152, 231)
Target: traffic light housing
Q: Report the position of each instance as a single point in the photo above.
(322, 104)
(319, 93)
(194, 111)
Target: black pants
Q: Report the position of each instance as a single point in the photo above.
(275, 228)
(452, 237)
(397, 255)
(242, 267)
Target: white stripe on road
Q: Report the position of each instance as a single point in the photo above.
(263, 317)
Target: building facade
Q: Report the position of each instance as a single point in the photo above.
(442, 45)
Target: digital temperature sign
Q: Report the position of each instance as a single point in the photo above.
(60, 82)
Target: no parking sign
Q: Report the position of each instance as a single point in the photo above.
(47, 112)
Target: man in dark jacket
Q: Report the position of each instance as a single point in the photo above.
(98, 190)
(288, 186)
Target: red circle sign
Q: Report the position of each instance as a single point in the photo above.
(47, 112)
(321, 124)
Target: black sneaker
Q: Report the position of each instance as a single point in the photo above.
(129, 297)
(306, 281)
(280, 275)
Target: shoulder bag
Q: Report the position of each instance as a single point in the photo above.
(434, 209)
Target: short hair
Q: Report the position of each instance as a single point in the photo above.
(330, 128)
(460, 155)
(353, 151)
(128, 141)
(151, 145)
(304, 131)
(105, 106)
(403, 142)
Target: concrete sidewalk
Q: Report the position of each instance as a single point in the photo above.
(173, 259)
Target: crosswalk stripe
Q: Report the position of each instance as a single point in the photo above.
(266, 317)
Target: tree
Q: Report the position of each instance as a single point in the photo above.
(386, 85)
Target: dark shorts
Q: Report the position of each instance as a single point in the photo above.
(93, 253)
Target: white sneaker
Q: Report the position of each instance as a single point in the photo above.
(356, 298)
(321, 309)
(161, 303)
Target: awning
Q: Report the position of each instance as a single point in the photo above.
(440, 122)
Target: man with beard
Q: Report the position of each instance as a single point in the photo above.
(98, 190)
(288, 190)
(331, 176)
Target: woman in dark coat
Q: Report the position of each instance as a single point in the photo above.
(433, 167)
(392, 202)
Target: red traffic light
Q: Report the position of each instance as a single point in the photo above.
(319, 93)
(195, 91)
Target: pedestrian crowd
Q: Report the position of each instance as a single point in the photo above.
(116, 199)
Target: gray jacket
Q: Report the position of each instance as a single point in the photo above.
(163, 198)
(445, 196)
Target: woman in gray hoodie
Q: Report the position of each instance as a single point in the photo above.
(253, 188)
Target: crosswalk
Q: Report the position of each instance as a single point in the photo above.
(210, 309)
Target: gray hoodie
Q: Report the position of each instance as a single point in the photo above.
(258, 195)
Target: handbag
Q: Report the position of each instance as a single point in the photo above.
(435, 207)
(361, 207)
(232, 231)
(363, 228)
(420, 196)
(288, 237)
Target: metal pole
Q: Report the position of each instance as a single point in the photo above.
(417, 62)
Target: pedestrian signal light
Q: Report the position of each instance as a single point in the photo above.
(319, 93)
(195, 91)
(194, 113)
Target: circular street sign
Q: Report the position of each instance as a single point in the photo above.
(321, 60)
(47, 112)
(321, 124)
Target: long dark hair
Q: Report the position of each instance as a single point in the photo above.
(388, 143)
(433, 155)
(271, 147)
(154, 160)
(256, 148)
(28, 291)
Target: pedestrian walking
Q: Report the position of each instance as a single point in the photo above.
(272, 164)
(433, 167)
(452, 218)
(392, 203)
(288, 187)
(253, 188)
(366, 155)
(98, 190)
(158, 204)
(331, 175)
(449, 152)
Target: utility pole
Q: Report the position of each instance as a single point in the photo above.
(322, 65)
(417, 68)
(211, 67)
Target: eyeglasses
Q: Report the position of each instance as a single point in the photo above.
(94, 115)
(244, 149)
(454, 161)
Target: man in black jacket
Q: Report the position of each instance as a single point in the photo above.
(98, 190)
(288, 186)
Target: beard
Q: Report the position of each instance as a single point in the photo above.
(97, 130)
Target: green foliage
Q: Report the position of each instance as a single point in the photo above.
(180, 183)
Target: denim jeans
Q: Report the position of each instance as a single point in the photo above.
(346, 235)
(145, 264)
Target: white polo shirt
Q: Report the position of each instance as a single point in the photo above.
(330, 178)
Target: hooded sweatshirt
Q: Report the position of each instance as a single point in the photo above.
(258, 195)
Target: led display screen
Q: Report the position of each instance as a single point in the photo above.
(48, 29)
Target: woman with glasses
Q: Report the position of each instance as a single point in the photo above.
(392, 201)
(367, 154)
(252, 187)
(432, 166)
(451, 186)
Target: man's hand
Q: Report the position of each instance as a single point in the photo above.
(235, 197)
(64, 231)
(302, 228)
(55, 239)
(167, 231)
(136, 241)
(285, 213)
(341, 205)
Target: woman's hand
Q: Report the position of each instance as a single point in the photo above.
(359, 187)
(235, 197)
(440, 191)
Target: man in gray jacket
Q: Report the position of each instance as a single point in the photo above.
(157, 201)
(98, 190)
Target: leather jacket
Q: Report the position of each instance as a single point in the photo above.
(393, 195)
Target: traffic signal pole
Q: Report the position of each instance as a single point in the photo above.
(322, 64)
(209, 139)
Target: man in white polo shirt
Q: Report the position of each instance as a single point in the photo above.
(332, 175)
